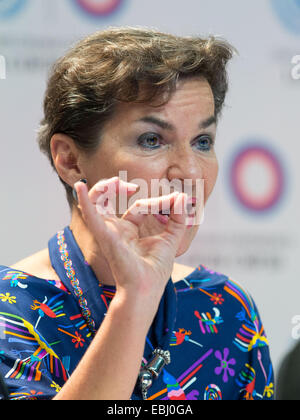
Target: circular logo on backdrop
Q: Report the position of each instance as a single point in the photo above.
(257, 178)
(288, 12)
(99, 8)
(9, 8)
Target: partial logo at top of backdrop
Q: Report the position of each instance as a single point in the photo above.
(257, 177)
(98, 8)
(288, 12)
(9, 8)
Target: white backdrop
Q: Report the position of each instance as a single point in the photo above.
(250, 234)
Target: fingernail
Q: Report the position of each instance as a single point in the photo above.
(75, 194)
(130, 184)
(104, 183)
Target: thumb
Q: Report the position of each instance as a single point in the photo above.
(177, 222)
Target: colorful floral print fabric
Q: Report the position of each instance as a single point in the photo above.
(219, 349)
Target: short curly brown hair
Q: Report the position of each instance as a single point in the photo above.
(126, 64)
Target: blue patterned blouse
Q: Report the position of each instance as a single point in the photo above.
(218, 346)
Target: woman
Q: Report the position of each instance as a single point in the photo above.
(104, 312)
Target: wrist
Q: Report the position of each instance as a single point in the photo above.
(137, 311)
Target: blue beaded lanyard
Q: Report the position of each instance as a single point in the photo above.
(69, 263)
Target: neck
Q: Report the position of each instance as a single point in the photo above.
(91, 250)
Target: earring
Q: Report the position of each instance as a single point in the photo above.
(74, 191)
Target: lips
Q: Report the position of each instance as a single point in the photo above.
(163, 215)
(162, 218)
(191, 204)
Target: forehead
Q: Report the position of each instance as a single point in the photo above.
(192, 97)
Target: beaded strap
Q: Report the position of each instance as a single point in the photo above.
(70, 273)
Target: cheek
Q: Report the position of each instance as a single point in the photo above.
(136, 168)
(100, 166)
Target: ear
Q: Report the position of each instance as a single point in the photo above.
(66, 158)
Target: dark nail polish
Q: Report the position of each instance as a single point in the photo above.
(75, 195)
(74, 191)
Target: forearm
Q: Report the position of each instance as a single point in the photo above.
(110, 367)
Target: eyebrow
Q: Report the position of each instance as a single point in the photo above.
(167, 126)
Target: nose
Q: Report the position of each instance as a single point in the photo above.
(184, 165)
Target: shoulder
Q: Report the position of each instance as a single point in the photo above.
(19, 283)
(225, 301)
(17, 289)
(203, 277)
(241, 296)
(222, 290)
(38, 265)
(9, 276)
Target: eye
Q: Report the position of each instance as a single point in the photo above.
(205, 143)
(149, 140)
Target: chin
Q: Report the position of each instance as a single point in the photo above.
(182, 249)
(186, 241)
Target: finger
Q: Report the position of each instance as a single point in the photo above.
(112, 185)
(143, 207)
(105, 193)
(179, 210)
(89, 213)
(176, 226)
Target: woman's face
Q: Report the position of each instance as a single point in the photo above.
(172, 142)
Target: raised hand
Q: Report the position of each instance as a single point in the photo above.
(140, 265)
